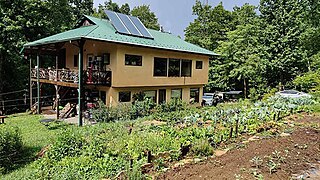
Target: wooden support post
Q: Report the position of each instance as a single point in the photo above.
(57, 101)
(30, 90)
(38, 84)
(80, 81)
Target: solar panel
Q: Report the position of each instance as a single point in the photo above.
(128, 25)
(132, 28)
(141, 27)
(116, 21)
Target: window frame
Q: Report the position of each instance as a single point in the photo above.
(119, 96)
(130, 62)
(154, 67)
(197, 99)
(180, 89)
(197, 65)
(171, 74)
(190, 68)
(154, 99)
(76, 60)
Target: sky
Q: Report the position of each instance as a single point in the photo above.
(176, 15)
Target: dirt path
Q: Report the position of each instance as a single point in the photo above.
(296, 156)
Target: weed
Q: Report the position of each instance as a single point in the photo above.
(257, 161)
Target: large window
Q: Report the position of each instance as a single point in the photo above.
(151, 95)
(160, 66)
(186, 68)
(199, 65)
(194, 95)
(174, 67)
(133, 60)
(176, 93)
(125, 96)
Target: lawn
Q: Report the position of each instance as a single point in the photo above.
(34, 136)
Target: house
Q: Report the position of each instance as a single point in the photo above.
(119, 57)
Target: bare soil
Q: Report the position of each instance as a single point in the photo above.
(297, 157)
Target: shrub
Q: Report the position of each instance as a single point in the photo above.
(202, 147)
(10, 147)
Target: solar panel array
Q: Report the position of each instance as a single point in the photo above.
(128, 25)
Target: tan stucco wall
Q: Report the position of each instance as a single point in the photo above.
(140, 78)
(143, 75)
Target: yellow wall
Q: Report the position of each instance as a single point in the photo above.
(140, 78)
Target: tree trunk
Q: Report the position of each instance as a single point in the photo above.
(245, 88)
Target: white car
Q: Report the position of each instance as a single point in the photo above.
(293, 94)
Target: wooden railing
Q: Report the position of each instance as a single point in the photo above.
(94, 77)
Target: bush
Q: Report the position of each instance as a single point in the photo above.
(10, 147)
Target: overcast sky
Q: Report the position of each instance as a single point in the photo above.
(176, 15)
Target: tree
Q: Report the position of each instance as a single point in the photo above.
(147, 17)
(242, 63)
(125, 9)
(283, 24)
(210, 26)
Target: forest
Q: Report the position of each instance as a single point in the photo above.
(261, 49)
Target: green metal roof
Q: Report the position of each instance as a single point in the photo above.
(104, 31)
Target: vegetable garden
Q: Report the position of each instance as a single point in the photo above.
(131, 148)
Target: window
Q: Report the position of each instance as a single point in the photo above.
(75, 60)
(125, 96)
(90, 60)
(151, 95)
(160, 66)
(174, 67)
(199, 65)
(186, 68)
(162, 96)
(194, 95)
(176, 94)
(106, 59)
(133, 60)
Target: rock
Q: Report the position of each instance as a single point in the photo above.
(220, 152)
(254, 138)
(197, 160)
(284, 134)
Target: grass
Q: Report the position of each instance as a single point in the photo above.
(34, 136)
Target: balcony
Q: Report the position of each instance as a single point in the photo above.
(90, 77)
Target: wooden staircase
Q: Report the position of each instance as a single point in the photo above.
(67, 110)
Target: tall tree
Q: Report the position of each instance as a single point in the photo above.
(210, 26)
(148, 18)
(283, 26)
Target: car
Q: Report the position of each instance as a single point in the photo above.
(292, 94)
(210, 99)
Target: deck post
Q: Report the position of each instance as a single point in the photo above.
(30, 64)
(38, 84)
(57, 89)
(80, 81)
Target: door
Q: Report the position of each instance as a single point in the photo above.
(162, 96)
(62, 59)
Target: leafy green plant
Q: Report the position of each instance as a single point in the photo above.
(10, 147)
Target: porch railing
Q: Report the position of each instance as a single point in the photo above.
(94, 77)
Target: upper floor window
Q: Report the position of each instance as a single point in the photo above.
(160, 66)
(199, 64)
(186, 68)
(174, 68)
(133, 60)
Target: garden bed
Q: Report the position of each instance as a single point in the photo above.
(295, 156)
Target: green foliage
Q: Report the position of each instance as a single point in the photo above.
(10, 147)
(308, 82)
(147, 17)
